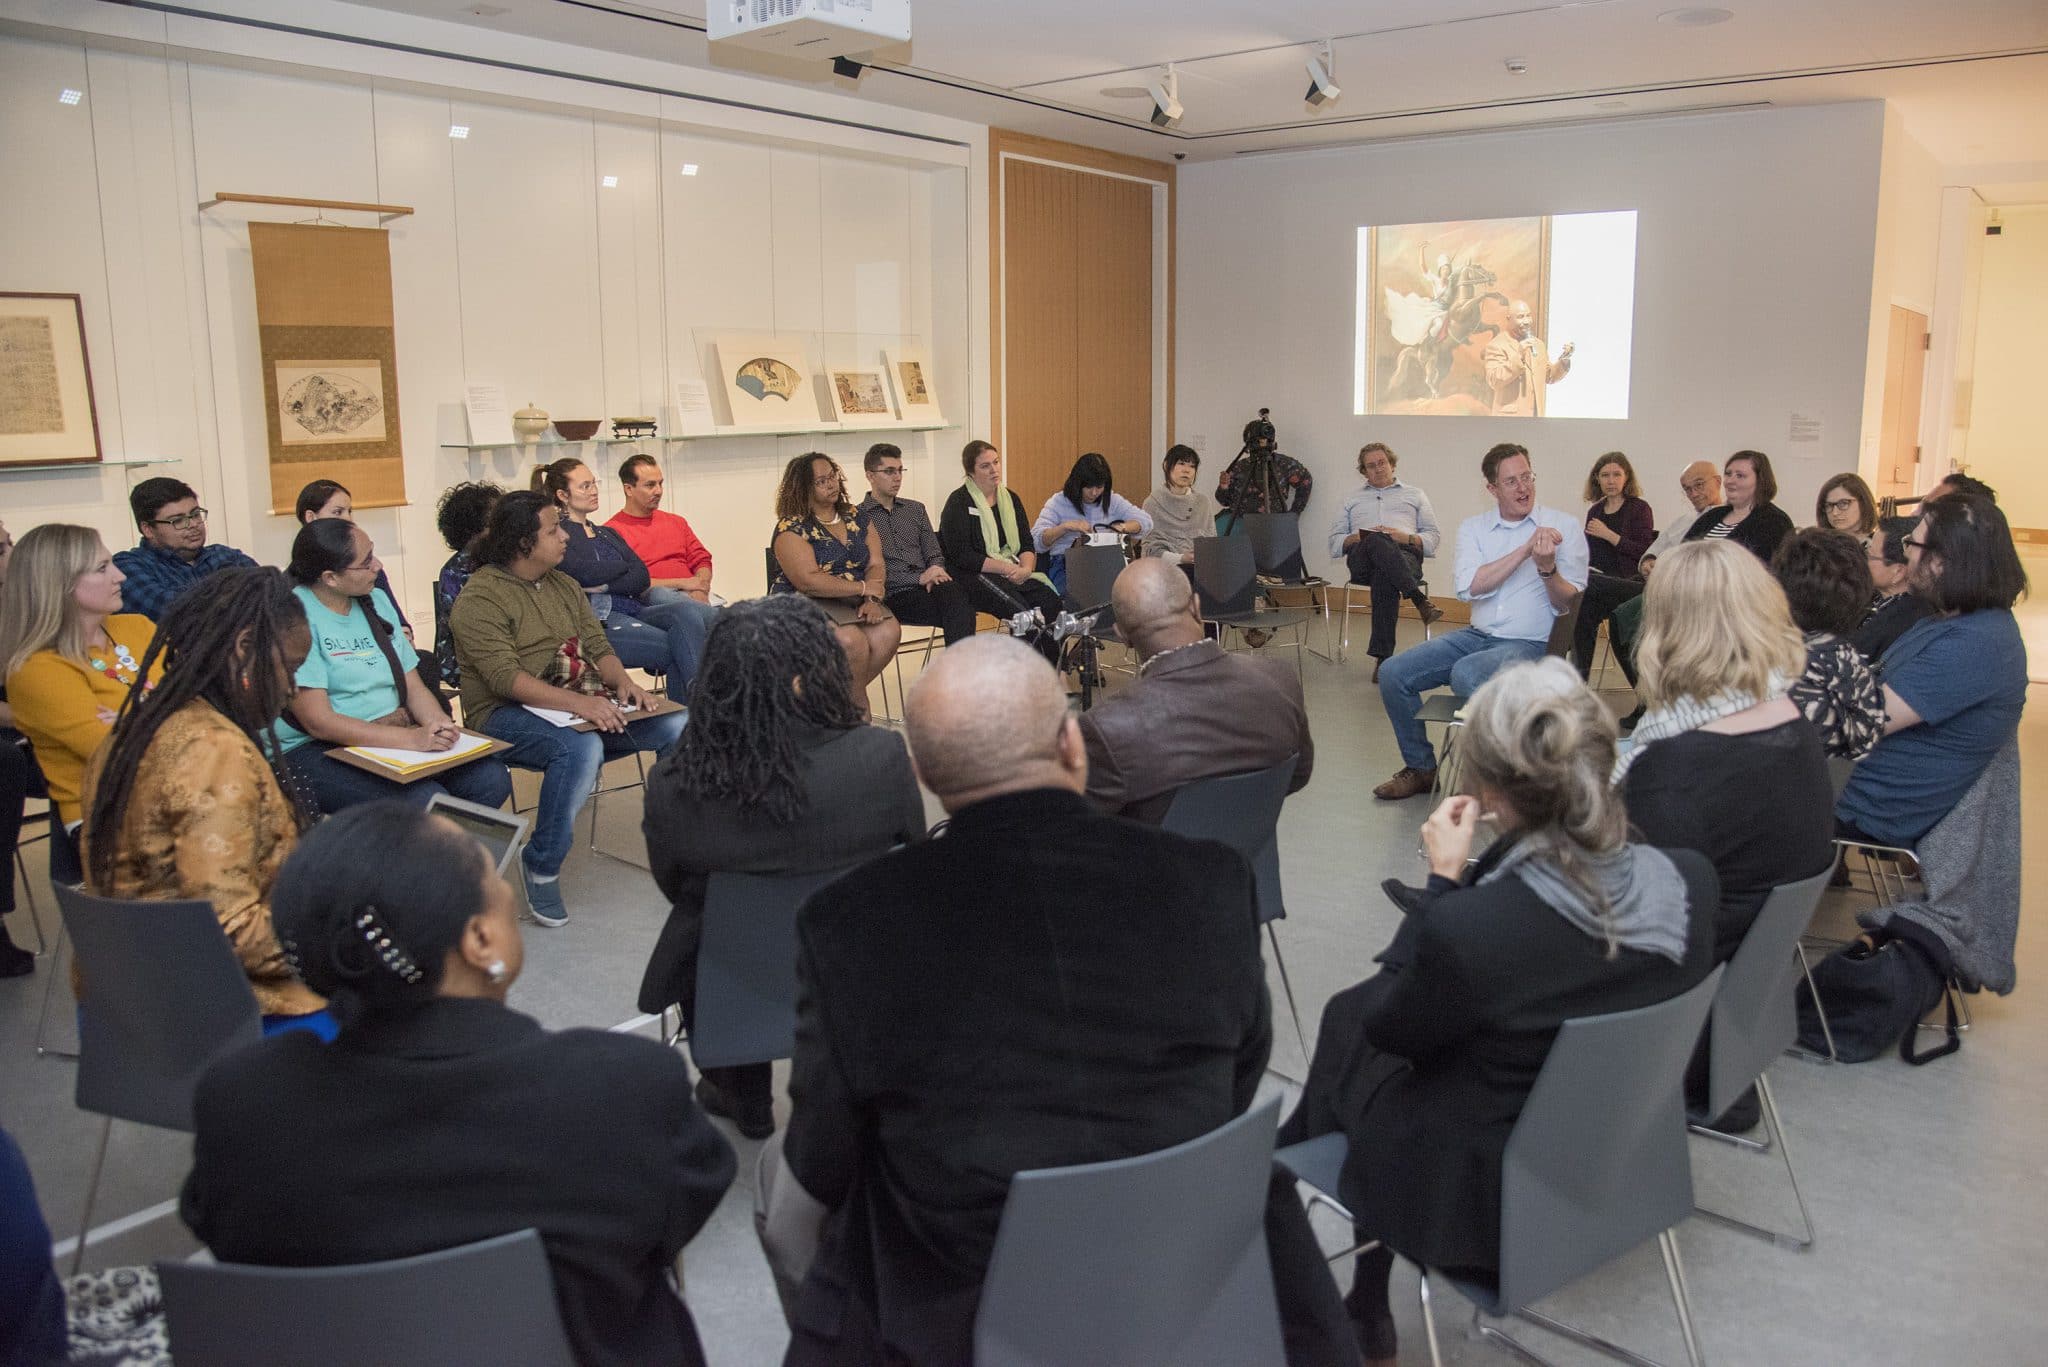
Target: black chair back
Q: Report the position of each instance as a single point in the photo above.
(1276, 542)
(1243, 812)
(746, 967)
(1225, 576)
(1091, 574)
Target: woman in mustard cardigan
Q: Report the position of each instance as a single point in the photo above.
(70, 655)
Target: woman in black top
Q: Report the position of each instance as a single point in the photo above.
(1826, 584)
(1748, 518)
(986, 536)
(1619, 528)
(438, 1117)
(776, 773)
(1845, 504)
(1893, 605)
(1427, 1065)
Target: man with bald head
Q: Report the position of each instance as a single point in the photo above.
(1194, 712)
(1040, 986)
(1700, 482)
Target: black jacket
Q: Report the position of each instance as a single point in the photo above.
(863, 799)
(1042, 986)
(457, 1120)
(961, 539)
(1426, 1065)
(1760, 533)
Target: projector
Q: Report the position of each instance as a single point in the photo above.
(820, 29)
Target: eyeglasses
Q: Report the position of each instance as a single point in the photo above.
(890, 470)
(1839, 505)
(1911, 545)
(1519, 482)
(181, 521)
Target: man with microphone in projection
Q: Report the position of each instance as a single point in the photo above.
(1518, 368)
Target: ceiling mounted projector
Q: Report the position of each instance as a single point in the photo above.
(1322, 87)
(818, 29)
(1165, 93)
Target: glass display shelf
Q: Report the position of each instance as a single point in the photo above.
(821, 429)
(9, 469)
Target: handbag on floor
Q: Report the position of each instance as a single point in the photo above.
(1875, 998)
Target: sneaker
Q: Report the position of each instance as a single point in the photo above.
(1257, 636)
(1408, 782)
(544, 900)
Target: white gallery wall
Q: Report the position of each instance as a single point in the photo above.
(2005, 446)
(519, 266)
(1753, 284)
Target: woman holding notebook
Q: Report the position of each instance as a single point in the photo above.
(358, 686)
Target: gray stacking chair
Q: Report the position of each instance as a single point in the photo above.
(482, 1305)
(165, 996)
(1754, 1020)
(1597, 1164)
(746, 967)
(1226, 585)
(1155, 1261)
(1243, 812)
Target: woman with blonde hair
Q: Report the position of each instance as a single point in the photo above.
(1427, 1065)
(70, 655)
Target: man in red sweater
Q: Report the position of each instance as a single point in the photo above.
(678, 566)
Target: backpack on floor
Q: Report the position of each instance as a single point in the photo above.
(1876, 998)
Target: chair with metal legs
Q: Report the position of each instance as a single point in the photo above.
(923, 645)
(1243, 812)
(1596, 1164)
(1754, 1020)
(165, 996)
(1341, 650)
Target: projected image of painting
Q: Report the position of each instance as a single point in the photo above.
(1504, 317)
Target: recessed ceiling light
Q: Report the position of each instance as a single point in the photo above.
(689, 168)
(458, 130)
(1695, 17)
(1516, 66)
(611, 182)
(1124, 92)
(71, 96)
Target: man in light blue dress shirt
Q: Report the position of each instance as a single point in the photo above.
(1520, 567)
(1384, 533)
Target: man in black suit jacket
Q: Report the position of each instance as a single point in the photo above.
(1003, 1012)
(1195, 711)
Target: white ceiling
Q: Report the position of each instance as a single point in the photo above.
(1970, 76)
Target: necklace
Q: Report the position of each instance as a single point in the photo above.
(1151, 660)
(123, 667)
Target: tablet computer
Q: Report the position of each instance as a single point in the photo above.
(497, 830)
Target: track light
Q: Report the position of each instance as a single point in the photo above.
(1165, 93)
(847, 69)
(1322, 87)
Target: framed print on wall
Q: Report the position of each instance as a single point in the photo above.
(46, 409)
(767, 379)
(910, 374)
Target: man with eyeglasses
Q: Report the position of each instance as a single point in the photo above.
(919, 590)
(1521, 567)
(173, 555)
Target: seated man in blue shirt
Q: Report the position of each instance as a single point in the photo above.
(173, 555)
(1520, 567)
(1384, 533)
(1954, 683)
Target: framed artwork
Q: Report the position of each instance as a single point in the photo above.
(46, 409)
(767, 379)
(910, 375)
(1439, 294)
(322, 402)
(861, 397)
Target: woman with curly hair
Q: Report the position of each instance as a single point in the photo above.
(829, 551)
(776, 774)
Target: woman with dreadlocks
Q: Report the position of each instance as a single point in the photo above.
(775, 774)
(181, 801)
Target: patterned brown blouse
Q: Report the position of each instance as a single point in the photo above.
(207, 820)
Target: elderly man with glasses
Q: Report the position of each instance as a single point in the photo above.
(173, 554)
(1521, 567)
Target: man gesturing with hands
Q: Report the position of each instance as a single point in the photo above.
(1520, 566)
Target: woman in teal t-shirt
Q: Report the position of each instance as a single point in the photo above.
(358, 687)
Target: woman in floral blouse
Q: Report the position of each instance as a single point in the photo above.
(1827, 583)
(826, 550)
(181, 802)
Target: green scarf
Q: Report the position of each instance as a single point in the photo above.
(1006, 545)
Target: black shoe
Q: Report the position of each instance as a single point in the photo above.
(1376, 1340)
(15, 962)
(753, 1121)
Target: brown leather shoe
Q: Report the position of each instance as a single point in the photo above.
(1407, 783)
(1429, 612)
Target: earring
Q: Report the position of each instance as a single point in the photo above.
(497, 972)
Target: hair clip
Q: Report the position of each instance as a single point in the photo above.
(394, 956)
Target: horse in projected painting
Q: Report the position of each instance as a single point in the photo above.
(1431, 325)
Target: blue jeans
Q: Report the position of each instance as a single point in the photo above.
(1463, 659)
(568, 762)
(666, 637)
(337, 786)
